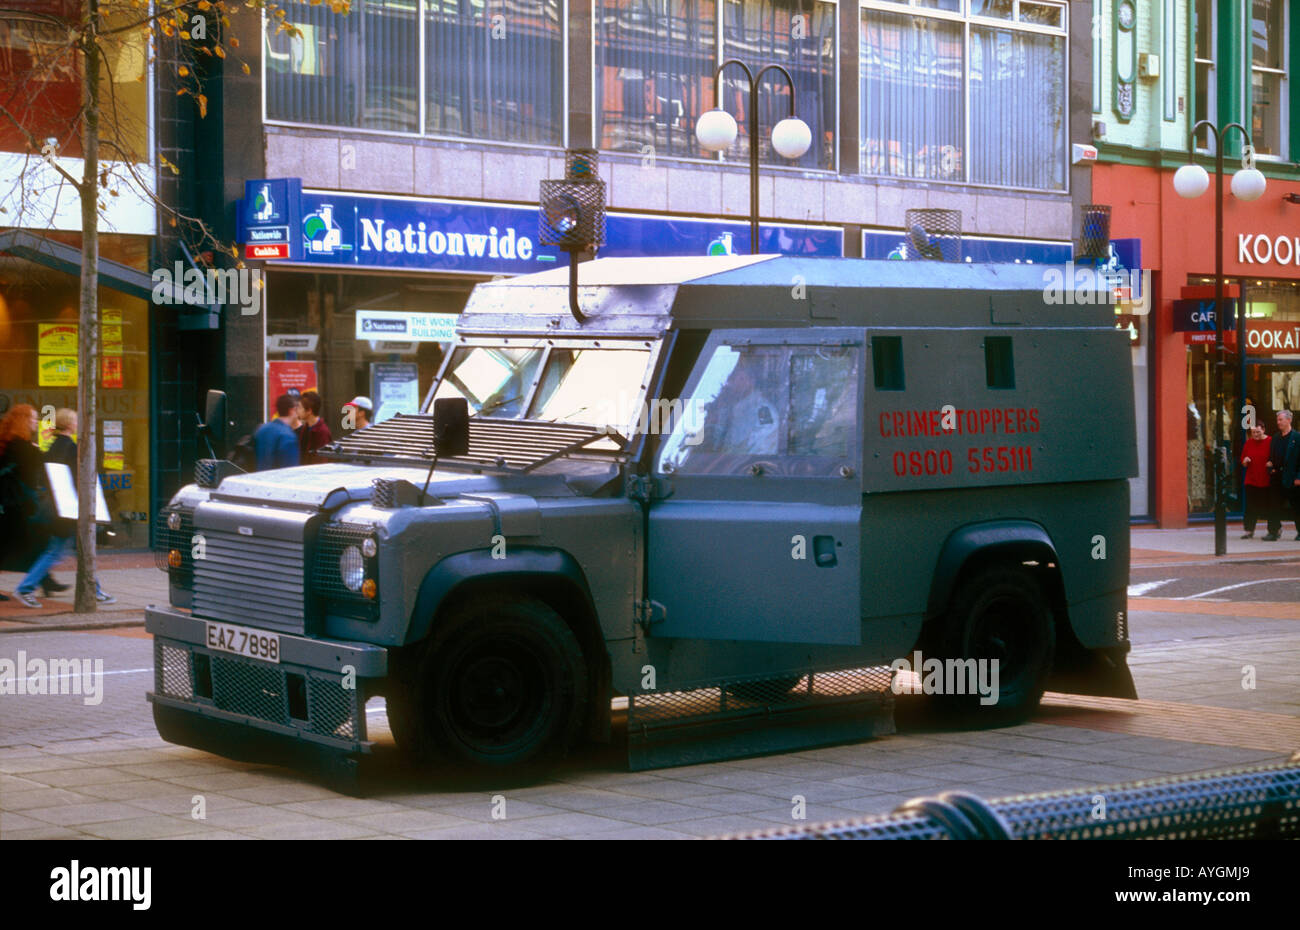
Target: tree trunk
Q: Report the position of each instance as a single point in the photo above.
(88, 341)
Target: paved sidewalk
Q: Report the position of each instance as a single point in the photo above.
(129, 575)
(1195, 543)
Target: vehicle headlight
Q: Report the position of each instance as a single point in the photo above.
(352, 568)
(173, 521)
(368, 548)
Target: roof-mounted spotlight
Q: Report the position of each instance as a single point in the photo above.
(572, 214)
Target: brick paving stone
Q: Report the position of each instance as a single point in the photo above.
(968, 771)
(571, 824)
(278, 793)
(407, 822)
(212, 835)
(137, 790)
(640, 833)
(481, 831)
(653, 813)
(313, 830)
(157, 826)
(43, 832)
(183, 805)
(901, 782)
(744, 781)
(731, 803)
(335, 808)
(582, 799)
(80, 815)
(241, 818)
(41, 797)
(1024, 784)
(668, 791)
(79, 777)
(722, 825)
(13, 821)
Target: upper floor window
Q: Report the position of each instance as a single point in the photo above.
(1268, 88)
(968, 94)
(1204, 93)
(655, 61)
(485, 75)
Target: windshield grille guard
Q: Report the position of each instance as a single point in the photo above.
(513, 445)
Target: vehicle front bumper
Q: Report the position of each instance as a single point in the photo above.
(246, 708)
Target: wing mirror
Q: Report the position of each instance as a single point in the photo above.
(214, 416)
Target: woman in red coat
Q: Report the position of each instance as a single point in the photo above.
(1258, 489)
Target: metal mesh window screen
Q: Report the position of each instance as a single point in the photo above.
(654, 72)
(936, 234)
(800, 36)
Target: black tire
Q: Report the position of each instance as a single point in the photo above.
(1001, 613)
(766, 690)
(502, 683)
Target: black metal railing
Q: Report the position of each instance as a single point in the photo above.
(1258, 802)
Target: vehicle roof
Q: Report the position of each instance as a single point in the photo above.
(648, 296)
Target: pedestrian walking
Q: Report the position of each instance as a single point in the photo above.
(63, 451)
(27, 502)
(275, 441)
(1258, 484)
(1284, 472)
(314, 432)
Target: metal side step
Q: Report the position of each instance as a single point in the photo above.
(734, 718)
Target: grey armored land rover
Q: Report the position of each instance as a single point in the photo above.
(723, 499)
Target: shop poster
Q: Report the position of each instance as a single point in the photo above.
(288, 378)
(57, 371)
(57, 339)
(394, 388)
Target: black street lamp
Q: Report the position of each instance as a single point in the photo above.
(1191, 180)
(716, 130)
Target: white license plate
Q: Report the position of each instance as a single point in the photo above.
(254, 644)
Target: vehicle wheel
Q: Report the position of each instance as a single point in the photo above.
(1001, 614)
(503, 683)
(769, 689)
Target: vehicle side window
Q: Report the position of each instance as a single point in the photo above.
(793, 410)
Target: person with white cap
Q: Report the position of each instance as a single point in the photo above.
(362, 409)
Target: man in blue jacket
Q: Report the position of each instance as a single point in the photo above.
(275, 441)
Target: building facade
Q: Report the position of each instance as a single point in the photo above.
(1159, 67)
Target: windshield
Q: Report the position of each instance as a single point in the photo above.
(597, 386)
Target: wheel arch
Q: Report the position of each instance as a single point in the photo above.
(972, 548)
(551, 575)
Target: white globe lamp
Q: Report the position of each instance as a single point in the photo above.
(1248, 184)
(1191, 181)
(791, 137)
(716, 130)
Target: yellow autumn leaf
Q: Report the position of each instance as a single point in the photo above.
(182, 71)
(234, 42)
(218, 51)
(203, 104)
(244, 65)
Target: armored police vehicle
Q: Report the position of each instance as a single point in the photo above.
(730, 488)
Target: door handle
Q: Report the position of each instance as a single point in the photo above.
(824, 551)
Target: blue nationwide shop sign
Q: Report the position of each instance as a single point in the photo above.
(426, 234)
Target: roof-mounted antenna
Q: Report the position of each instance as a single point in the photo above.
(572, 214)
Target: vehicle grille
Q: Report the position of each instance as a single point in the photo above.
(251, 580)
